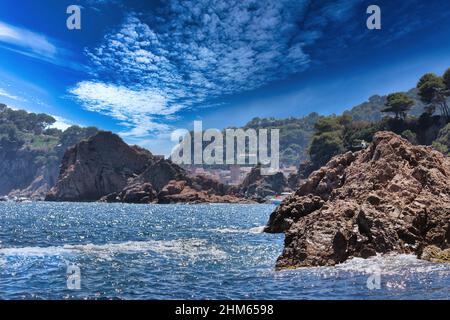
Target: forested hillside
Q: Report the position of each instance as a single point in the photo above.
(421, 115)
(31, 151)
(295, 135)
(371, 109)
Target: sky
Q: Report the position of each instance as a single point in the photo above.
(143, 69)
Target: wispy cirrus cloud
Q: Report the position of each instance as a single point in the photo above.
(35, 45)
(194, 51)
(6, 94)
(23, 39)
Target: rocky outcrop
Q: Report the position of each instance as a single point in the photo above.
(159, 172)
(259, 186)
(304, 170)
(183, 192)
(133, 193)
(104, 168)
(391, 197)
(96, 167)
(144, 187)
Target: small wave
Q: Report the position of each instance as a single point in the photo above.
(259, 229)
(391, 264)
(191, 248)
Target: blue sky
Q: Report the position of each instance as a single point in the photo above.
(145, 68)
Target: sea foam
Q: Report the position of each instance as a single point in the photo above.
(191, 248)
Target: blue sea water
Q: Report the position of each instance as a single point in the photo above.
(182, 252)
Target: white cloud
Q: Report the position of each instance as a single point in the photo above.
(36, 45)
(119, 100)
(61, 123)
(142, 126)
(135, 109)
(6, 94)
(196, 51)
(27, 40)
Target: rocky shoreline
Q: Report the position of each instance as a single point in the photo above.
(391, 197)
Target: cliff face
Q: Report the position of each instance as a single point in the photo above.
(17, 170)
(391, 197)
(104, 168)
(44, 180)
(22, 176)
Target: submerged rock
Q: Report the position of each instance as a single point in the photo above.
(391, 197)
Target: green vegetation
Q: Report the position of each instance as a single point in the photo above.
(40, 142)
(295, 135)
(9, 137)
(328, 139)
(371, 109)
(442, 143)
(413, 118)
(317, 138)
(446, 78)
(399, 104)
(29, 139)
(340, 134)
(410, 136)
(334, 135)
(420, 115)
(324, 146)
(434, 91)
(30, 131)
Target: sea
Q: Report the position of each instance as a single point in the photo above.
(121, 251)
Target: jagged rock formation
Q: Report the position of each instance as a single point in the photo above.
(391, 197)
(258, 186)
(183, 192)
(97, 167)
(104, 168)
(144, 185)
(304, 170)
(133, 193)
